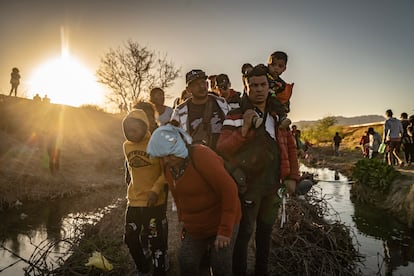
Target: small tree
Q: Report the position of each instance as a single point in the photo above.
(131, 71)
(323, 131)
(325, 123)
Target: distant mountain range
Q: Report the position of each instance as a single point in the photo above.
(346, 121)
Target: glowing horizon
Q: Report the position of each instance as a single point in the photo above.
(65, 80)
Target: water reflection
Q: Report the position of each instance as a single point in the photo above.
(388, 245)
(29, 227)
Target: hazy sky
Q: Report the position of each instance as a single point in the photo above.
(345, 57)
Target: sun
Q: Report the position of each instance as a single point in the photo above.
(65, 80)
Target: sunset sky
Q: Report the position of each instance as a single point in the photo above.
(345, 57)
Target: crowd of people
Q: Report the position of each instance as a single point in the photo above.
(227, 158)
(397, 137)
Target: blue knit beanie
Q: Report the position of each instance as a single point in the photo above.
(169, 140)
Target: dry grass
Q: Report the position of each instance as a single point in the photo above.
(91, 150)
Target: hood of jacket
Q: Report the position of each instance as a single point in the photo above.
(138, 114)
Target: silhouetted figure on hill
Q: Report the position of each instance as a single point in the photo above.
(14, 81)
(46, 99)
(36, 98)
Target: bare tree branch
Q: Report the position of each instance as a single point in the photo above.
(131, 71)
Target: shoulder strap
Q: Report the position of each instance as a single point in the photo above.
(190, 155)
(207, 112)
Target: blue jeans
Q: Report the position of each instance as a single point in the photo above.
(260, 207)
(193, 251)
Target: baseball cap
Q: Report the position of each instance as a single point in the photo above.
(222, 80)
(194, 75)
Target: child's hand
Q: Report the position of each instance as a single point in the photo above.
(247, 121)
(285, 123)
(152, 198)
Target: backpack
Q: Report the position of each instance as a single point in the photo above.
(202, 134)
(238, 175)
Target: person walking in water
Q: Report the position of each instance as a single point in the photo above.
(14, 81)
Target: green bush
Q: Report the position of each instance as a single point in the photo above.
(322, 132)
(374, 174)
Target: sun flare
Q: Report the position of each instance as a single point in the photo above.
(66, 81)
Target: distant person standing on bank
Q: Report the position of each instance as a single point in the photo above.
(374, 142)
(364, 142)
(410, 144)
(405, 140)
(393, 132)
(14, 81)
(337, 142)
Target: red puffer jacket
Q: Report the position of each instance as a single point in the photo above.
(289, 164)
(231, 141)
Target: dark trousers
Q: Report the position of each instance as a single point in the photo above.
(13, 89)
(194, 255)
(408, 152)
(145, 230)
(259, 210)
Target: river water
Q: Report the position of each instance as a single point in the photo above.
(387, 245)
(29, 229)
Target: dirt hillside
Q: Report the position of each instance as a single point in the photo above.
(91, 150)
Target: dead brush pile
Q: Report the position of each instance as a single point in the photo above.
(308, 244)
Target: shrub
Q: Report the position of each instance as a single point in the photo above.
(374, 174)
(322, 132)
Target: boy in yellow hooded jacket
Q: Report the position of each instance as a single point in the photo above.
(145, 219)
